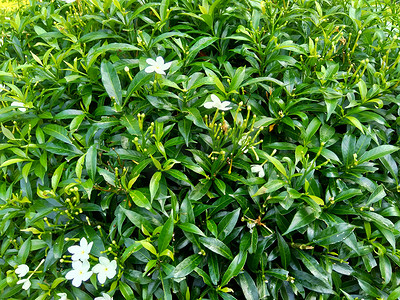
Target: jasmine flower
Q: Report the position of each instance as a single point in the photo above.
(63, 296)
(258, 169)
(26, 284)
(105, 269)
(19, 105)
(22, 270)
(82, 251)
(157, 65)
(216, 103)
(104, 297)
(80, 272)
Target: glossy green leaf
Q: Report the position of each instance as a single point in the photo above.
(270, 187)
(186, 266)
(165, 236)
(111, 82)
(55, 179)
(227, 224)
(216, 246)
(248, 286)
(126, 290)
(155, 184)
(58, 132)
(91, 162)
(188, 227)
(234, 268)
(377, 152)
(303, 217)
(284, 251)
(333, 234)
(140, 199)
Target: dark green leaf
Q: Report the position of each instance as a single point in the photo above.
(216, 246)
(333, 234)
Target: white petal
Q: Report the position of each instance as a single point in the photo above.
(74, 249)
(149, 69)
(89, 247)
(86, 276)
(103, 260)
(76, 264)
(151, 62)
(85, 265)
(106, 296)
(111, 273)
(22, 270)
(63, 296)
(83, 243)
(167, 65)
(77, 281)
(261, 173)
(225, 105)
(26, 285)
(208, 105)
(160, 60)
(71, 274)
(98, 268)
(101, 277)
(159, 71)
(215, 98)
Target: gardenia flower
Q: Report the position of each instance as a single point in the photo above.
(105, 269)
(26, 284)
(216, 103)
(157, 65)
(22, 270)
(63, 296)
(19, 105)
(80, 272)
(82, 251)
(258, 169)
(104, 297)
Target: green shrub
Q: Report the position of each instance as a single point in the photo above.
(200, 150)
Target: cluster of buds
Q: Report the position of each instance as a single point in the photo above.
(239, 138)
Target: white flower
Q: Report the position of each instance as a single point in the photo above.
(105, 269)
(80, 272)
(82, 251)
(22, 270)
(26, 284)
(19, 105)
(258, 169)
(251, 225)
(157, 65)
(69, 1)
(216, 103)
(63, 296)
(104, 297)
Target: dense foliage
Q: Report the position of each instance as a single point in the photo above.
(200, 150)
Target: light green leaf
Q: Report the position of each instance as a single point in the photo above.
(270, 187)
(165, 236)
(139, 199)
(57, 132)
(154, 184)
(377, 152)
